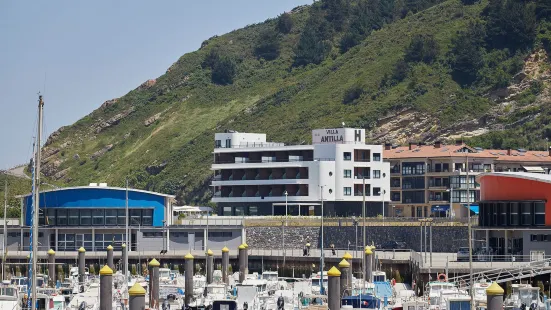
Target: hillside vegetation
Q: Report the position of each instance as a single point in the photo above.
(402, 69)
(16, 186)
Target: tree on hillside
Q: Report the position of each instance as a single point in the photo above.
(543, 9)
(222, 65)
(313, 45)
(467, 54)
(284, 23)
(337, 12)
(511, 24)
(422, 48)
(267, 45)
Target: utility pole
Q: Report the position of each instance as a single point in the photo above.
(470, 234)
(36, 203)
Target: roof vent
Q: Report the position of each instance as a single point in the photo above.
(478, 148)
(93, 184)
(102, 185)
(521, 150)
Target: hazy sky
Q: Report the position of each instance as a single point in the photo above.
(81, 53)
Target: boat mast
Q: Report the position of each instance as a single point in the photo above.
(36, 206)
(127, 238)
(5, 229)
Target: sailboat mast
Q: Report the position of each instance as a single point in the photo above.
(127, 238)
(5, 229)
(36, 202)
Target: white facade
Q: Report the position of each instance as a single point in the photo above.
(252, 175)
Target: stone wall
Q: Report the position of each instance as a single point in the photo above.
(444, 238)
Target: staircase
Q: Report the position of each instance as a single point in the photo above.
(500, 275)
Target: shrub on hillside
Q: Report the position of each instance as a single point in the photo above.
(352, 94)
(313, 45)
(267, 45)
(422, 48)
(223, 67)
(467, 54)
(400, 71)
(285, 23)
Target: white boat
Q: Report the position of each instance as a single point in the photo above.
(9, 298)
(316, 282)
(434, 292)
(20, 283)
(479, 292)
(164, 276)
(460, 302)
(215, 292)
(524, 294)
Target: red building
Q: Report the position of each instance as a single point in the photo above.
(515, 213)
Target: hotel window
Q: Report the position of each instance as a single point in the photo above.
(110, 217)
(347, 155)
(376, 156)
(50, 217)
(539, 214)
(218, 143)
(348, 191)
(73, 217)
(347, 174)
(253, 210)
(97, 217)
(85, 217)
(526, 216)
(226, 211)
(376, 174)
(228, 143)
(514, 214)
(376, 191)
(61, 217)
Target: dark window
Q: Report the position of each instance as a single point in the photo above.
(50, 217)
(376, 191)
(147, 217)
(85, 217)
(539, 214)
(121, 215)
(98, 217)
(220, 234)
(228, 143)
(413, 168)
(413, 197)
(347, 156)
(110, 217)
(413, 183)
(503, 211)
(376, 156)
(217, 143)
(61, 217)
(135, 217)
(526, 216)
(395, 196)
(347, 174)
(514, 214)
(376, 174)
(73, 217)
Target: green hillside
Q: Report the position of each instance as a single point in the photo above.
(403, 69)
(16, 186)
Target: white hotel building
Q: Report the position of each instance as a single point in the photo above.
(255, 177)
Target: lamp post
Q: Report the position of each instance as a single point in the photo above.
(139, 254)
(286, 194)
(383, 192)
(450, 190)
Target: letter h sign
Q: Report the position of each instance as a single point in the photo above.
(357, 135)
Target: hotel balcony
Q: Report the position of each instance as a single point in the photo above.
(261, 191)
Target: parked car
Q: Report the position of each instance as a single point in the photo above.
(463, 254)
(392, 245)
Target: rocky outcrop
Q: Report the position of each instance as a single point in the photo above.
(147, 84)
(109, 103)
(61, 174)
(156, 169)
(102, 125)
(51, 168)
(101, 152)
(152, 119)
(54, 135)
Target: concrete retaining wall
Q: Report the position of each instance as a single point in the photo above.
(445, 238)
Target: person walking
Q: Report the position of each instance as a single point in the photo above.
(333, 249)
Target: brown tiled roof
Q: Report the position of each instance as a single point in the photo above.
(429, 151)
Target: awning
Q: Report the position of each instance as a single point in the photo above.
(533, 169)
(440, 208)
(474, 208)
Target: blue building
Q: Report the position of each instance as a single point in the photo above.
(94, 216)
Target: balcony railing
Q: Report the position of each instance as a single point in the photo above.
(245, 160)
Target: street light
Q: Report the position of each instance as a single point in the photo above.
(286, 194)
(322, 256)
(450, 190)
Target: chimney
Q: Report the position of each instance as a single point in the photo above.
(411, 145)
(509, 152)
(388, 146)
(458, 142)
(437, 144)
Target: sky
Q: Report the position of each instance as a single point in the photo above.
(79, 54)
